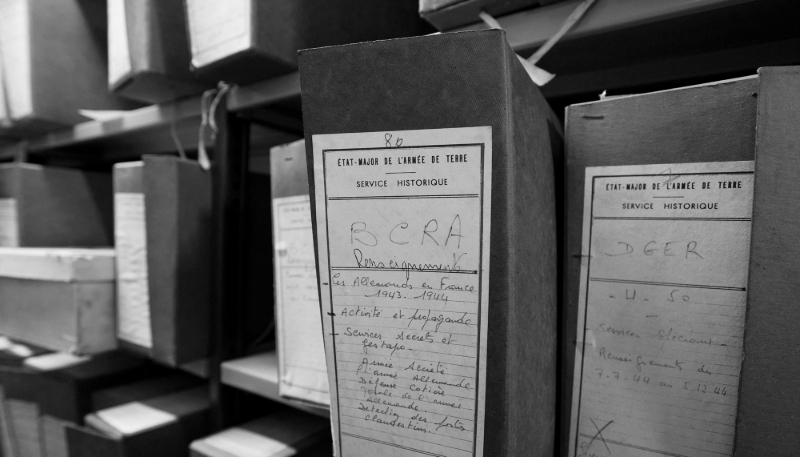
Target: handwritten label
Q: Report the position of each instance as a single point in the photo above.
(133, 299)
(403, 247)
(301, 350)
(15, 43)
(9, 223)
(661, 323)
(119, 56)
(218, 29)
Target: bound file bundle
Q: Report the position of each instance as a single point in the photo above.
(659, 213)
(162, 207)
(436, 245)
(60, 299)
(301, 354)
(148, 51)
(163, 425)
(287, 433)
(45, 80)
(49, 206)
(246, 40)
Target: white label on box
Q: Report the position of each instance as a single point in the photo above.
(15, 46)
(24, 421)
(119, 56)
(218, 29)
(4, 116)
(54, 436)
(9, 223)
(133, 300)
(662, 305)
(403, 246)
(302, 353)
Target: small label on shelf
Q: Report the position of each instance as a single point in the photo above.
(403, 230)
(663, 290)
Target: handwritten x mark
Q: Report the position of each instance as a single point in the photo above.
(600, 434)
(672, 177)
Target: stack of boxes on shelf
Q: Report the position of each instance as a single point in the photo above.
(453, 273)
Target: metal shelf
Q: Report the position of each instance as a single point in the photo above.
(258, 374)
(154, 129)
(618, 44)
(637, 44)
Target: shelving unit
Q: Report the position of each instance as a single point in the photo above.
(621, 45)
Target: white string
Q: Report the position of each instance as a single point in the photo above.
(539, 75)
(208, 117)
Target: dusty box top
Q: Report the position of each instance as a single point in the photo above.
(58, 264)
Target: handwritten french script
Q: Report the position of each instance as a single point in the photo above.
(300, 345)
(661, 323)
(403, 238)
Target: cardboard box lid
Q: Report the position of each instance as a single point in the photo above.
(58, 264)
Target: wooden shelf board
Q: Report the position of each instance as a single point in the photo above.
(258, 374)
(150, 129)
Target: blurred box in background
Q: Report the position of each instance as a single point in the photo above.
(162, 230)
(60, 299)
(54, 63)
(242, 41)
(48, 206)
(148, 51)
(301, 351)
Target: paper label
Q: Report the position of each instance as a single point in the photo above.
(218, 29)
(302, 353)
(9, 223)
(133, 299)
(25, 427)
(16, 48)
(4, 117)
(54, 434)
(662, 306)
(119, 56)
(403, 247)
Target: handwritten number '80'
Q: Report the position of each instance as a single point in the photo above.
(397, 143)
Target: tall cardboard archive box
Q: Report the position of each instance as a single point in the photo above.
(769, 402)
(743, 394)
(162, 222)
(54, 63)
(148, 51)
(301, 354)
(49, 206)
(448, 85)
(243, 41)
(60, 299)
